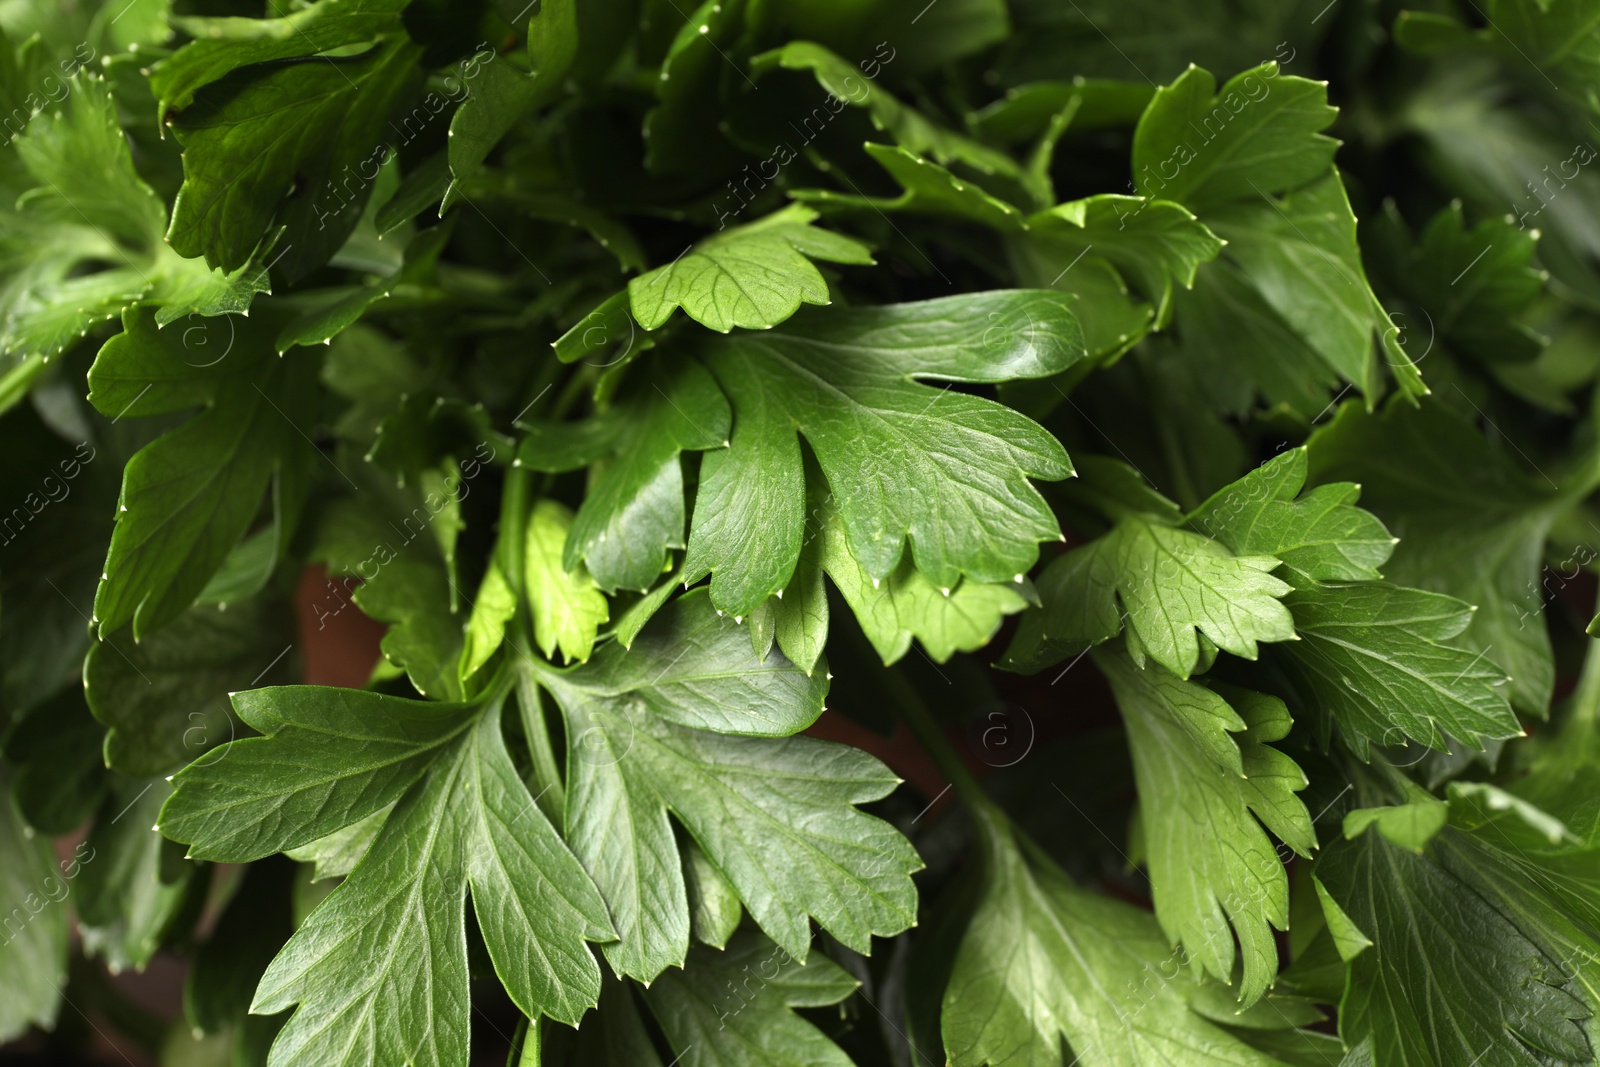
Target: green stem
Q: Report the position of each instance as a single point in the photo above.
(1586, 697)
(546, 771)
(515, 503)
(917, 717)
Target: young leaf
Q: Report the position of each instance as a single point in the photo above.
(755, 275)
(485, 631)
(1156, 243)
(567, 608)
(1320, 534)
(901, 459)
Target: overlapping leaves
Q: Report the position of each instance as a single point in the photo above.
(650, 731)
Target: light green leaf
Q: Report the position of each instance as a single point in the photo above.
(755, 276)
(190, 496)
(1206, 800)
(568, 610)
(1320, 534)
(337, 854)
(1410, 826)
(83, 241)
(1170, 585)
(485, 631)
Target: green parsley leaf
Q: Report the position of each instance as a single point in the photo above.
(899, 456)
(468, 821)
(223, 45)
(499, 95)
(1156, 243)
(164, 700)
(1301, 256)
(1204, 798)
(634, 511)
(1320, 534)
(755, 275)
(1044, 960)
(568, 609)
(1472, 523)
(764, 810)
(189, 497)
(1260, 134)
(33, 963)
(1371, 658)
(1170, 585)
(929, 190)
(735, 1007)
(265, 132)
(1454, 969)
